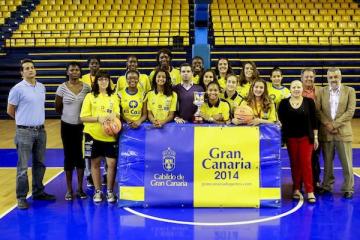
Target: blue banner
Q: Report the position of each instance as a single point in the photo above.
(156, 166)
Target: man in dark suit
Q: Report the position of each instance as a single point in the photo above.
(336, 109)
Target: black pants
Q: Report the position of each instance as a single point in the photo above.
(71, 136)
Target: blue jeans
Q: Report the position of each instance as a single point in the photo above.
(30, 142)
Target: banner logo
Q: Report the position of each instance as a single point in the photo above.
(168, 159)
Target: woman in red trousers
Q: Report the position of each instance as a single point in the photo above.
(299, 131)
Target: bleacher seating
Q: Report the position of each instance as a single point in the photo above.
(75, 23)
(286, 22)
(6, 7)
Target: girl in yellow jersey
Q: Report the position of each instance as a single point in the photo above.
(99, 106)
(277, 92)
(161, 100)
(215, 110)
(133, 108)
(230, 94)
(258, 99)
(248, 75)
(143, 82)
(223, 68)
(163, 59)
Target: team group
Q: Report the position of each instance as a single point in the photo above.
(311, 118)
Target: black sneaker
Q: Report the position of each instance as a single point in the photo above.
(22, 204)
(81, 194)
(44, 196)
(89, 181)
(104, 182)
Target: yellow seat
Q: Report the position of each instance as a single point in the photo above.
(271, 40)
(355, 40)
(292, 40)
(323, 40)
(303, 25)
(344, 41)
(313, 25)
(261, 40)
(302, 40)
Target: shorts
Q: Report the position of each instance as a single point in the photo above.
(95, 148)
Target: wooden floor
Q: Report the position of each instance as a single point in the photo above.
(7, 133)
(8, 195)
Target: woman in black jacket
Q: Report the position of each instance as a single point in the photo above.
(299, 132)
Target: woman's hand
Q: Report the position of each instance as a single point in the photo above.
(255, 122)
(135, 124)
(316, 143)
(236, 121)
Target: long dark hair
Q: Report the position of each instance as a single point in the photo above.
(95, 88)
(265, 98)
(201, 79)
(230, 70)
(167, 86)
(255, 76)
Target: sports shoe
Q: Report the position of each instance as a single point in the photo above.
(22, 204)
(68, 196)
(81, 194)
(111, 197)
(89, 181)
(104, 182)
(98, 196)
(45, 197)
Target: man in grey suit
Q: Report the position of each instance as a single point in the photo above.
(336, 109)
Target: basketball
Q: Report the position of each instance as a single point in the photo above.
(244, 113)
(112, 127)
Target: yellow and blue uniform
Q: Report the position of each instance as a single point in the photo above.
(195, 79)
(143, 85)
(243, 90)
(160, 105)
(277, 94)
(99, 106)
(221, 107)
(174, 74)
(89, 80)
(222, 83)
(234, 101)
(270, 115)
(131, 105)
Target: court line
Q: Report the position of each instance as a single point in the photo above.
(291, 211)
(47, 182)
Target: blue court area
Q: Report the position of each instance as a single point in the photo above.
(332, 217)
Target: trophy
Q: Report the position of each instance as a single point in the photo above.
(199, 98)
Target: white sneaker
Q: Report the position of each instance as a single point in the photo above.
(111, 197)
(98, 196)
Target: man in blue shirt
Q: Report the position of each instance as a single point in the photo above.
(26, 104)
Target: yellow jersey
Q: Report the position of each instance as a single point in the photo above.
(196, 79)
(243, 90)
(174, 74)
(259, 113)
(99, 106)
(221, 107)
(161, 105)
(89, 80)
(143, 85)
(233, 101)
(222, 83)
(277, 94)
(131, 105)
